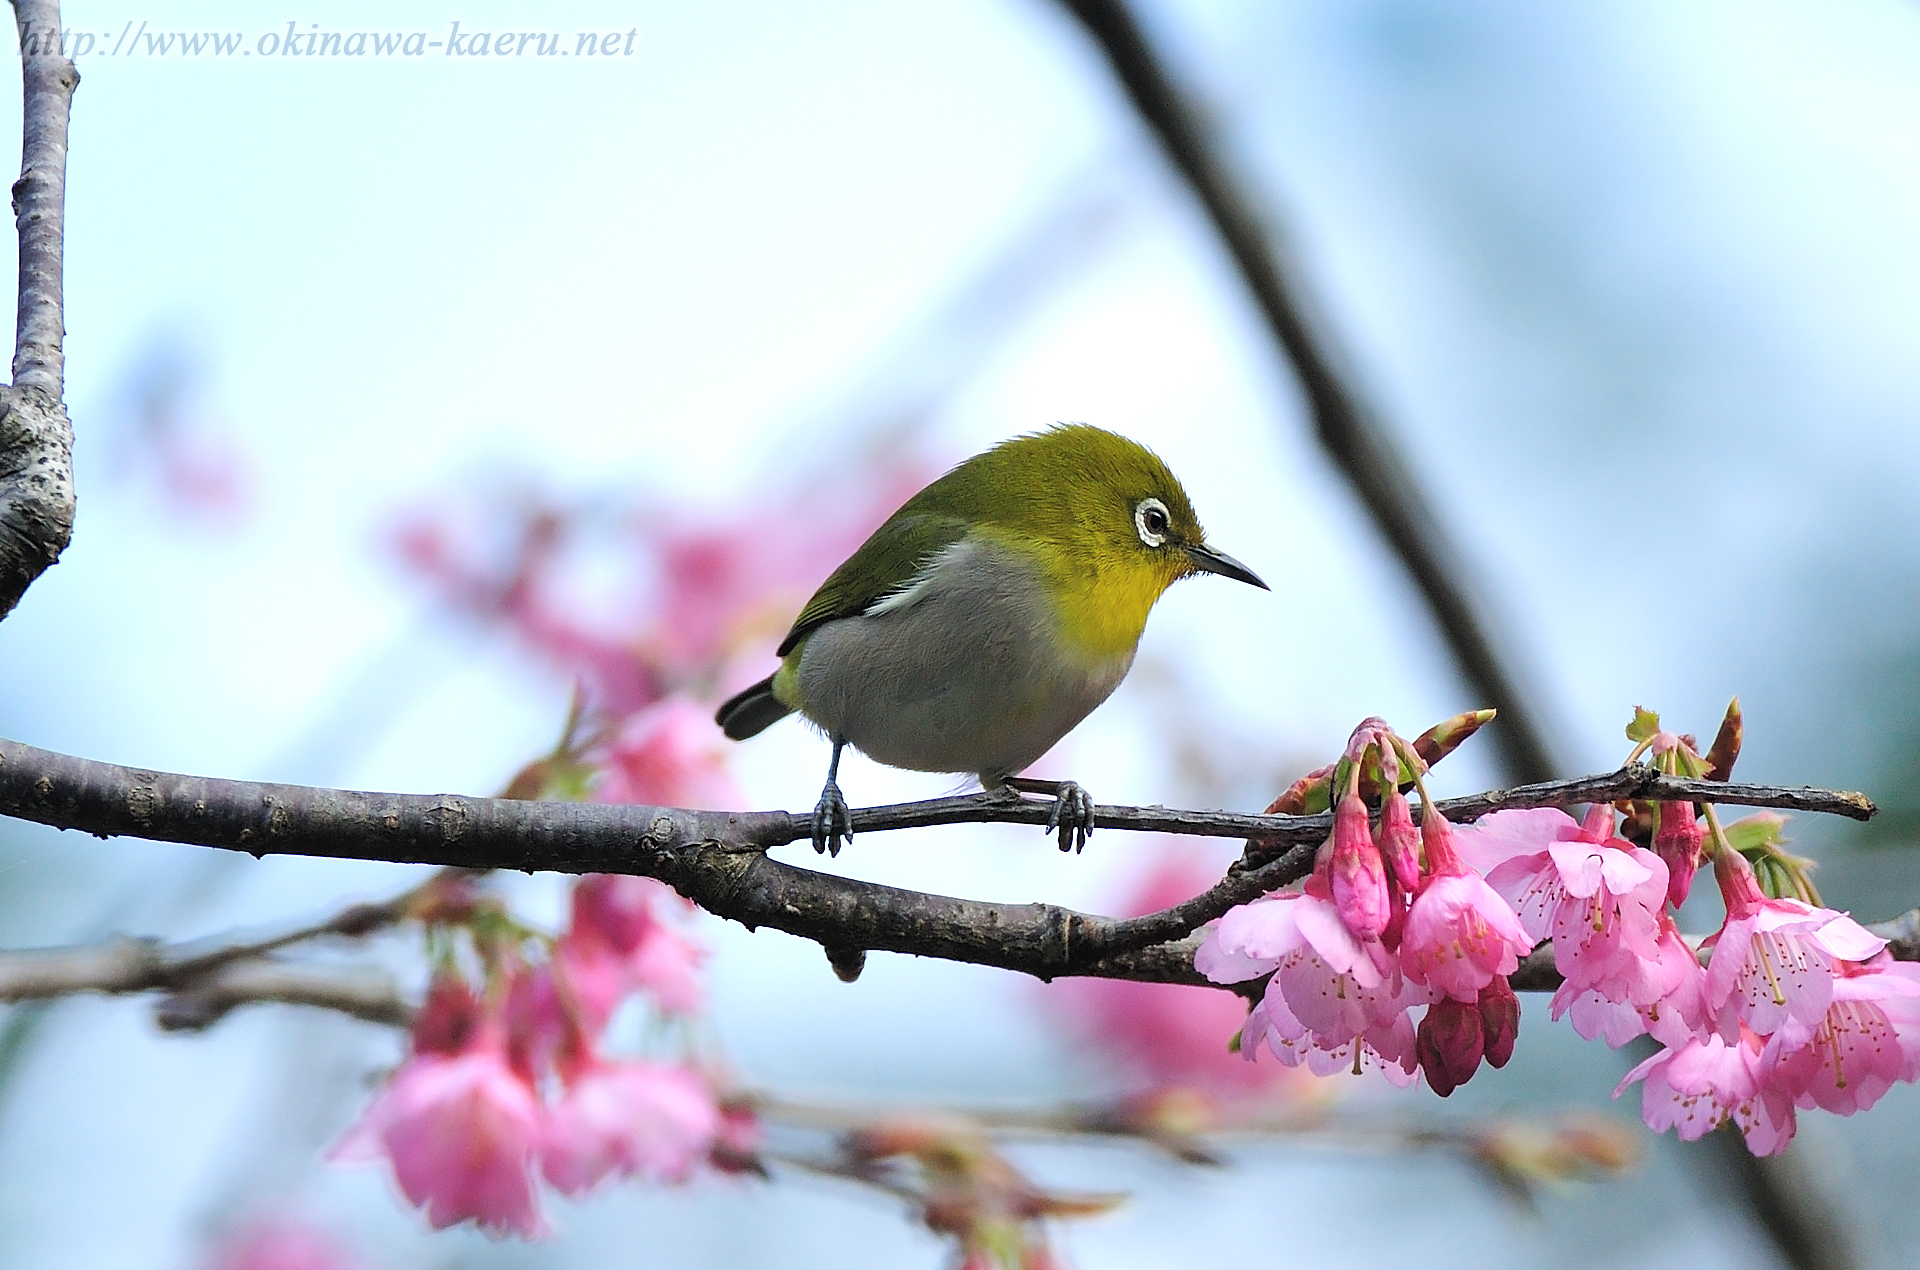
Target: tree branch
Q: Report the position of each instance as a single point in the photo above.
(718, 859)
(1364, 451)
(36, 438)
(202, 989)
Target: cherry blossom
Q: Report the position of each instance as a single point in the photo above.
(1460, 933)
(461, 1132)
(1776, 960)
(1597, 896)
(1676, 1008)
(1706, 1082)
(616, 1119)
(1868, 1039)
(619, 942)
(1333, 1002)
(668, 754)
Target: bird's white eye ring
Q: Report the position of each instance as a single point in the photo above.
(1150, 518)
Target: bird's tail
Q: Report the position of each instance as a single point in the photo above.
(751, 711)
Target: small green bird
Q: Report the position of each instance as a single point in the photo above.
(988, 616)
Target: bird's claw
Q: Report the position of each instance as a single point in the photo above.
(832, 822)
(1072, 816)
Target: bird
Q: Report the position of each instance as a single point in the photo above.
(987, 617)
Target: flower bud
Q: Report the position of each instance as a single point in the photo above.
(1677, 842)
(1357, 874)
(1450, 1045)
(448, 1018)
(1499, 1021)
(1399, 841)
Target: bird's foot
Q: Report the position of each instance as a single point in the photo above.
(831, 821)
(1072, 814)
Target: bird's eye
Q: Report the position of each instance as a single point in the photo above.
(1151, 520)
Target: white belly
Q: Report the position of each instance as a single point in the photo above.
(969, 675)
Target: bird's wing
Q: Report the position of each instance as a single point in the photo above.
(884, 564)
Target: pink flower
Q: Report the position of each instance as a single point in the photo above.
(1776, 959)
(1333, 1002)
(618, 943)
(1460, 934)
(1676, 1010)
(1598, 897)
(1868, 1039)
(283, 1243)
(546, 1030)
(1677, 843)
(668, 755)
(1704, 1083)
(617, 1119)
(1356, 876)
(1386, 1046)
(461, 1132)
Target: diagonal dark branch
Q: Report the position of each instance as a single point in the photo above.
(36, 439)
(1363, 450)
(718, 859)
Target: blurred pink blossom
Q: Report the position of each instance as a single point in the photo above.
(615, 1119)
(283, 1243)
(669, 754)
(460, 1132)
(644, 600)
(621, 941)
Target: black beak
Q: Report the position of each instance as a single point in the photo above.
(1207, 560)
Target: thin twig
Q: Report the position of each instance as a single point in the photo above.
(202, 989)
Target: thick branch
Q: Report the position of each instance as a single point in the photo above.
(718, 859)
(1360, 447)
(36, 439)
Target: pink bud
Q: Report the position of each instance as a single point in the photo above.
(447, 1018)
(1400, 841)
(1436, 835)
(1450, 1044)
(1738, 887)
(1677, 841)
(1499, 1021)
(1357, 874)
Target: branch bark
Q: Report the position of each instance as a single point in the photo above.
(36, 438)
(1362, 449)
(718, 859)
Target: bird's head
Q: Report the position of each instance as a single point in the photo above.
(1112, 519)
